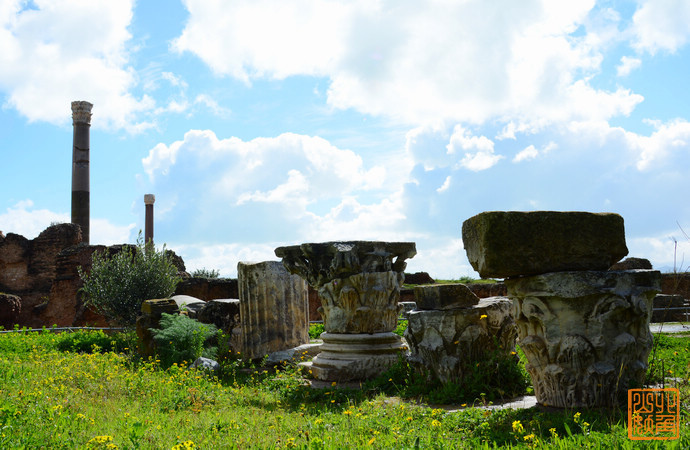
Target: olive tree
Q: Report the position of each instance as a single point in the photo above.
(118, 283)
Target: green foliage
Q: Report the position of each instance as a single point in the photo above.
(497, 376)
(53, 399)
(118, 284)
(315, 330)
(91, 341)
(205, 273)
(670, 358)
(181, 339)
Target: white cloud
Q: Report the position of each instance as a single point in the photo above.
(526, 154)
(444, 187)
(64, 50)
(23, 219)
(421, 61)
(661, 25)
(223, 257)
(286, 168)
(478, 151)
(627, 65)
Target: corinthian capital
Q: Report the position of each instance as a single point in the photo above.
(81, 112)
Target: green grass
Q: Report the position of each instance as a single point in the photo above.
(51, 398)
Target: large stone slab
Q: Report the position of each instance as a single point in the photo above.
(444, 296)
(502, 244)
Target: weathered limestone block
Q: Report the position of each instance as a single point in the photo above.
(585, 333)
(188, 304)
(362, 303)
(274, 308)
(506, 244)
(444, 296)
(224, 313)
(151, 313)
(632, 263)
(10, 307)
(449, 343)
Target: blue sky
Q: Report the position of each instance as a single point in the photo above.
(265, 123)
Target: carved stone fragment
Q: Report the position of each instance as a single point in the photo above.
(449, 343)
(585, 333)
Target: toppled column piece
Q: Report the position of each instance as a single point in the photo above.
(450, 343)
(502, 244)
(274, 311)
(585, 334)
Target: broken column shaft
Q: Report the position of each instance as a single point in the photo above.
(81, 121)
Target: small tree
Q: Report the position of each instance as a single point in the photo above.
(117, 284)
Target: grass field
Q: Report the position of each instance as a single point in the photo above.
(89, 390)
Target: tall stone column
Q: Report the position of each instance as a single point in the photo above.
(81, 121)
(149, 200)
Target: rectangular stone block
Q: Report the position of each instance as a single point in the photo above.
(444, 297)
(502, 244)
(158, 306)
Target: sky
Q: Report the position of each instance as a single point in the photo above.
(263, 123)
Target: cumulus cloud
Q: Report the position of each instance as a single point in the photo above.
(24, 219)
(478, 151)
(627, 65)
(526, 154)
(661, 25)
(485, 60)
(57, 51)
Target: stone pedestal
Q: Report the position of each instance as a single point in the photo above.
(359, 286)
(448, 342)
(585, 333)
(151, 313)
(274, 308)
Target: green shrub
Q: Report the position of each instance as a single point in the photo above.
(205, 273)
(92, 341)
(182, 339)
(118, 284)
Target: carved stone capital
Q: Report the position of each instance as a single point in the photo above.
(321, 263)
(81, 112)
(585, 334)
(149, 199)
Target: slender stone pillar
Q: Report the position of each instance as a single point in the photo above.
(149, 199)
(274, 308)
(81, 121)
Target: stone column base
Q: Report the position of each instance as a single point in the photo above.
(348, 357)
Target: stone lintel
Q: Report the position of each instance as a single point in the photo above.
(502, 244)
(444, 297)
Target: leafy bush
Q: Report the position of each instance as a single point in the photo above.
(92, 341)
(182, 339)
(205, 273)
(118, 284)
